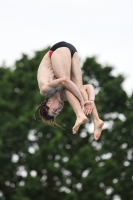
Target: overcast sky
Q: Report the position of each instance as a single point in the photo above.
(102, 28)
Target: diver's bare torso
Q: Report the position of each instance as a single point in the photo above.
(46, 75)
(45, 72)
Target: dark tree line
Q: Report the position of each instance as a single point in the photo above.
(43, 163)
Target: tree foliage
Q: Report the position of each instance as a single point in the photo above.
(41, 162)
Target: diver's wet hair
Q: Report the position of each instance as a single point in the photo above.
(43, 111)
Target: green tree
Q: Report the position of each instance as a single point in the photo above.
(41, 162)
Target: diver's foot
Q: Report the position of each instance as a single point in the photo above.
(98, 129)
(80, 120)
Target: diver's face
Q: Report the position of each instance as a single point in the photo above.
(55, 107)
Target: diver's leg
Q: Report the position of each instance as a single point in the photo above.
(76, 75)
(98, 123)
(87, 93)
(61, 63)
(81, 118)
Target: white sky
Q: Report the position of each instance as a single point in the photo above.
(103, 28)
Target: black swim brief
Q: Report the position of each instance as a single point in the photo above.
(63, 44)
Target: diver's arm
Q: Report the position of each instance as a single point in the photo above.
(59, 84)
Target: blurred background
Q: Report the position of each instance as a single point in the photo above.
(40, 162)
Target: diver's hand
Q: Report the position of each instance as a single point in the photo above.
(88, 107)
